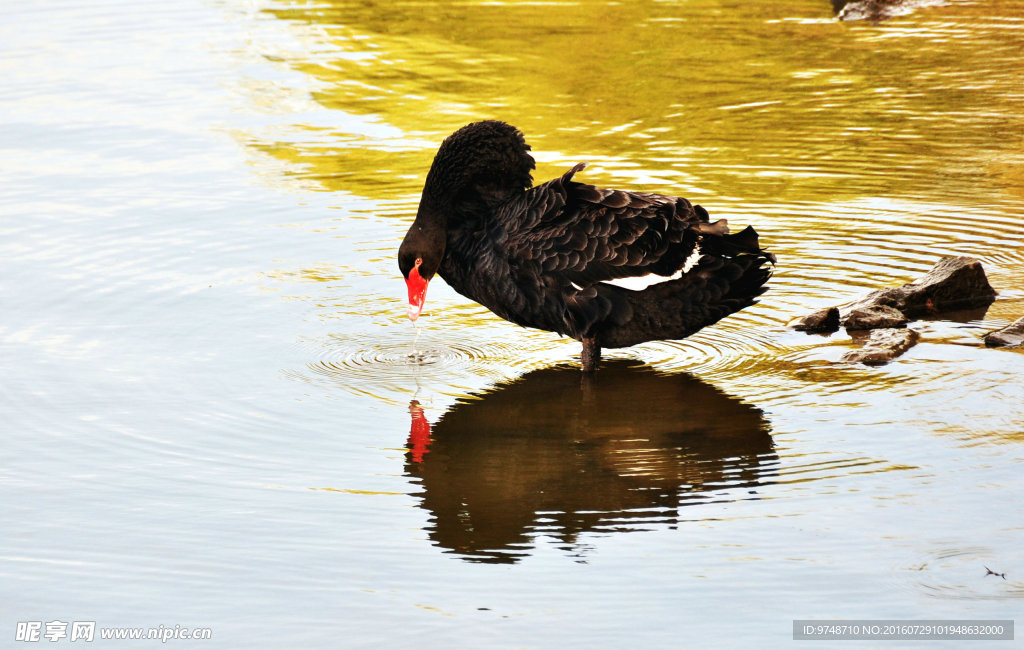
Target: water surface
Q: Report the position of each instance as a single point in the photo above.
(216, 413)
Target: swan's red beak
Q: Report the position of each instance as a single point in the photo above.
(417, 290)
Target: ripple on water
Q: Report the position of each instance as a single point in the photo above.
(962, 573)
(739, 342)
(390, 366)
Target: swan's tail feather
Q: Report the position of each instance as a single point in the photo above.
(730, 274)
(745, 241)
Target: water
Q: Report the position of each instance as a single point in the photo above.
(216, 414)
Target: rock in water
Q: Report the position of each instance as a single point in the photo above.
(874, 317)
(953, 283)
(883, 346)
(823, 320)
(1010, 336)
(877, 10)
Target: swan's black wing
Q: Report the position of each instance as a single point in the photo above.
(583, 234)
(569, 238)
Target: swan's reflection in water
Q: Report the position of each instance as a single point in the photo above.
(556, 454)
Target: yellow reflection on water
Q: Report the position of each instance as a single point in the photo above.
(742, 101)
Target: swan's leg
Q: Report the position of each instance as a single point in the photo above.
(590, 355)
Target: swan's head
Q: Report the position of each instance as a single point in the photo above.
(418, 259)
(477, 168)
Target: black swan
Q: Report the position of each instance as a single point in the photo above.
(547, 256)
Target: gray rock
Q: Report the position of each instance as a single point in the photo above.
(883, 346)
(953, 283)
(823, 320)
(874, 317)
(876, 10)
(1010, 336)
